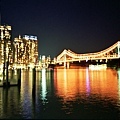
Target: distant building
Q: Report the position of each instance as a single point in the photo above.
(25, 51)
(44, 61)
(5, 45)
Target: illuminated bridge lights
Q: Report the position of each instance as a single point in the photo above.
(112, 52)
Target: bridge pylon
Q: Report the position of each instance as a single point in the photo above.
(64, 60)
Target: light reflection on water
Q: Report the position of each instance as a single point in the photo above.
(88, 87)
(87, 82)
(64, 93)
(43, 86)
(118, 74)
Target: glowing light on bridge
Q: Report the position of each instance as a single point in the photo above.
(112, 52)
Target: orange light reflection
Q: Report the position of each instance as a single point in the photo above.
(70, 82)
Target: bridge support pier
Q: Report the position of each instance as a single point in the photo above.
(64, 64)
(68, 65)
(106, 61)
(65, 61)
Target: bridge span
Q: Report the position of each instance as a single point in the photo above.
(67, 56)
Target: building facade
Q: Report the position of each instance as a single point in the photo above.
(6, 53)
(25, 51)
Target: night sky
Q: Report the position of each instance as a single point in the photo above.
(79, 25)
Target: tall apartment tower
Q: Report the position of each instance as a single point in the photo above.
(5, 44)
(26, 51)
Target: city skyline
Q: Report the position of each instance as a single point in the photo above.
(22, 52)
(79, 25)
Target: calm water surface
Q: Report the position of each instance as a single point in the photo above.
(64, 93)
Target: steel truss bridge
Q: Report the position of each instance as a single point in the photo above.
(67, 56)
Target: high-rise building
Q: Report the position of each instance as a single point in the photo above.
(5, 45)
(26, 51)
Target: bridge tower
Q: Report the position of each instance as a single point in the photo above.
(119, 49)
(64, 58)
(66, 64)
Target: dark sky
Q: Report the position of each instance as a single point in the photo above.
(79, 25)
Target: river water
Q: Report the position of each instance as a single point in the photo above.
(77, 93)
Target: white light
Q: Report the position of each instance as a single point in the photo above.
(44, 84)
(30, 37)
